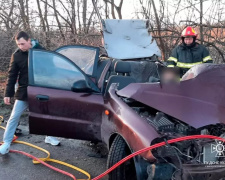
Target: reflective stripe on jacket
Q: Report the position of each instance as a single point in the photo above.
(185, 57)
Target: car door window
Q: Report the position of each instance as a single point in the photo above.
(49, 69)
(82, 56)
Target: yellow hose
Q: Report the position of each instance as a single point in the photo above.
(1, 119)
(48, 156)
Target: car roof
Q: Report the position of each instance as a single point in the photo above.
(128, 39)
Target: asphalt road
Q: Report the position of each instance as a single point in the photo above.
(91, 158)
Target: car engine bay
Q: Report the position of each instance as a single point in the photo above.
(180, 159)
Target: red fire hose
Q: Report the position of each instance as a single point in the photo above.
(156, 146)
(44, 163)
(124, 159)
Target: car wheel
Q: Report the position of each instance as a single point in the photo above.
(118, 151)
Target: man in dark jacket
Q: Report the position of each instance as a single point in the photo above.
(189, 53)
(18, 69)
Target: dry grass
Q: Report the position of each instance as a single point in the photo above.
(2, 83)
(4, 109)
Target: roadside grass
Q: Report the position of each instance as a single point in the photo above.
(3, 76)
(5, 110)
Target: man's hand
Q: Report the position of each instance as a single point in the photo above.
(7, 100)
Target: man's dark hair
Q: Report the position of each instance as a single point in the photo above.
(23, 35)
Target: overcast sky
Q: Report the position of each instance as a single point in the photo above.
(209, 7)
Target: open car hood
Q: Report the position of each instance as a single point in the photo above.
(197, 101)
(128, 39)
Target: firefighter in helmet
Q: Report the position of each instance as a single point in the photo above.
(189, 53)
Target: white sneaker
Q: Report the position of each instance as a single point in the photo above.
(4, 148)
(52, 140)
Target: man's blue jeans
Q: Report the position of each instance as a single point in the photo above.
(18, 108)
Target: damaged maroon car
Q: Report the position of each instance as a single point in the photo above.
(75, 94)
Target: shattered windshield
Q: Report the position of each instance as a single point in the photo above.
(82, 57)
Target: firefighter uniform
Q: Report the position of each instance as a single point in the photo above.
(185, 56)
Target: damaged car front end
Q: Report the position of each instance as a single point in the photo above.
(195, 106)
(115, 100)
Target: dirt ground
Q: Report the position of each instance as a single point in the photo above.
(83, 154)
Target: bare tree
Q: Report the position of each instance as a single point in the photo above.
(25, 14)
(84, 14)
(44, 23)
(7, 15)
(114, 6)
(57, 19)
(159, 30)
(168, 19)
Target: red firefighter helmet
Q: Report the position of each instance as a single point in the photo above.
(188, 31)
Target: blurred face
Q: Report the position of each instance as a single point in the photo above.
(188, 40)
(169, 77)
(23, 45)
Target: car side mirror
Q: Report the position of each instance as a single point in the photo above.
(81, 86)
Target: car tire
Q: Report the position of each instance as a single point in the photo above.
(118, 151)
